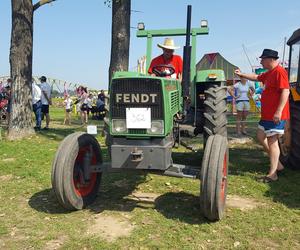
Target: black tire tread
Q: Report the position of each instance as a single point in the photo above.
(215, 108)
(294, 154)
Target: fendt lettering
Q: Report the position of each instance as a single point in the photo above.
(136, 98)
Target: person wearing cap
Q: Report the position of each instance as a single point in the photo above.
(46, 100)
(168, 58)
(274, 108)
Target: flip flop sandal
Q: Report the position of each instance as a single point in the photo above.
(267, 179)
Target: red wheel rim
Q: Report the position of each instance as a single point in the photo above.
(83, 188)
(224, 179)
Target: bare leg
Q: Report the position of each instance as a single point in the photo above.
(238, 122)
(85, 117)
(69, 118)
(65, 120)
(280, 166)
(243, 123)
(274, 155)
(261, 137)
(82, 117)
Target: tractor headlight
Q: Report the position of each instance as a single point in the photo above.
(119, 126)
(157, 127)
(203, 24)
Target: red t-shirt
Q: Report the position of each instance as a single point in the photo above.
(274, 81)
(175, 61)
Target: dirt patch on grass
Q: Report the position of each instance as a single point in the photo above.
(234, 201)
(55, 244)
(240, 140)
(8, 177)
(143, 197)
(8, 159)
(110, 227)
(267, 243)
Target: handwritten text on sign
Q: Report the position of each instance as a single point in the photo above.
(138, 118)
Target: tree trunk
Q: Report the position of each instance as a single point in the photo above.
(119, 57)
(20, 121)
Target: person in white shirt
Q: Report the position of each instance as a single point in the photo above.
(240, 92)
(68, 105)
(37, 105)
(46, 99)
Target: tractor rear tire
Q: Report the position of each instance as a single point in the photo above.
(213, 188)
(215, 108)
(72, 189)
(294, 154)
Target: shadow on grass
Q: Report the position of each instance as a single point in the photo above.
(188, 158)
(45, 201)
(115, 195)
(286, 189)
(115, 190)
(58, 134)
(112, 195)
(245, 161)
(180, 206)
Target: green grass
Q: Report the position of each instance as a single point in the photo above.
(31, 217)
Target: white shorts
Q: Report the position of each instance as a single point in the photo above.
(242, 105)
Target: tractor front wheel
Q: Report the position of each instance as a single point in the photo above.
(214, 171)
(73, 179)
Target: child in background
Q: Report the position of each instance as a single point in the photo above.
(68, 105)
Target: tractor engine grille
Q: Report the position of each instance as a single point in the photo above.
(136, 93)
(174, 101)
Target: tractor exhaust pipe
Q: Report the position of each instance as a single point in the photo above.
(186, 74)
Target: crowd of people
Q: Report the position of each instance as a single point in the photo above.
(84, 103)
(5, 90)
(88, 103)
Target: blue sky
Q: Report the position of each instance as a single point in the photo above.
(72, 37)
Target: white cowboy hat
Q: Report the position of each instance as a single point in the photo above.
(168, 44)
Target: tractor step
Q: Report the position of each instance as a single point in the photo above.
(183, 171)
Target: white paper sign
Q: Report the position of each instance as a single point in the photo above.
(91, 129)
(138, 117)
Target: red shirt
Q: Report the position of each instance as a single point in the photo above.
(274, 81)
(175, 61)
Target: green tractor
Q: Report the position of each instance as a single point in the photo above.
(143, 125)
(290, 142)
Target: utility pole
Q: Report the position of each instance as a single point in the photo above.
(247, 57)
(283, 54)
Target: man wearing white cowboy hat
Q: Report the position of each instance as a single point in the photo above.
(167, 61)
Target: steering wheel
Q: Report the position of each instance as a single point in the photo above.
(160, 70)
